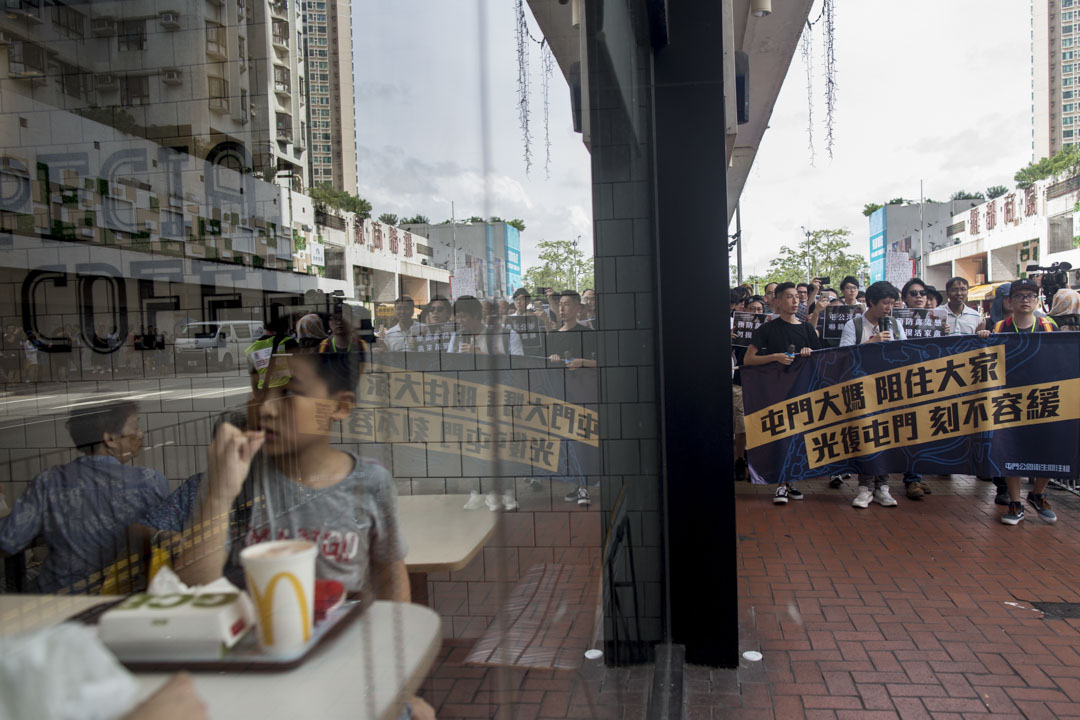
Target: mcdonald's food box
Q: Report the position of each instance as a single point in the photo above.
(176, 625)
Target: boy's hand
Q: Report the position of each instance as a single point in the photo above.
(805, 352)
(229, 459)
(783, 358)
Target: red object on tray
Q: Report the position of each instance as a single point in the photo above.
(328, 595)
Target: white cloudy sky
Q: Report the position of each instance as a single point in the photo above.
(937, 90)
(419, 134)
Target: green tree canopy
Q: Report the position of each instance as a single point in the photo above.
(517, 223)
(475, 219)
(388, 218)
(562, 267)
(1064, 164)
(996, 191)
(870, 208)
(827, 256)
(965, 195)
(896, 201)
(417, 219)
(327, 197)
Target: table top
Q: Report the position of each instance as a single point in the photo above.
(440, 533)
(366, 672)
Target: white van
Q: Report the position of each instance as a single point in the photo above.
(215, 346)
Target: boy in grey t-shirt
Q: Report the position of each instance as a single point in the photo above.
(285, 481)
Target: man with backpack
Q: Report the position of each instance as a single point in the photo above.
(875, 325)
(1024, 299)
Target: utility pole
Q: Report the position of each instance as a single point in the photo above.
(453, 238)
(808, 270)
(922, 248)
(574, 264)
(738, 243)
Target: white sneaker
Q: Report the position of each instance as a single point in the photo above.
(493, 501)
(583, 496)
(862, 500)
(882, 496)
(509, 502)
(476, 501)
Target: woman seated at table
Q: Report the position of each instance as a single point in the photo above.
(83, 509)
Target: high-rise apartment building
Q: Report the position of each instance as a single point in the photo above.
(188, 75)
(328, 34)
(1055, 72)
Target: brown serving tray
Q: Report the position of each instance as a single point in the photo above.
(245, 655)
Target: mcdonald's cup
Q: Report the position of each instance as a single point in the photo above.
(281, 581)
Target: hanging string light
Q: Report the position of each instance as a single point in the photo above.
(827, 20)
(547, 64)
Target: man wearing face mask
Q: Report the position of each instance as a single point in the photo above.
(83, 509)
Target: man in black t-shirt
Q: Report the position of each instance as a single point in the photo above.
(780, 340)
(573, 343)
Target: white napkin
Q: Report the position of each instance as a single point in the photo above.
(167, 582)
(62, 673)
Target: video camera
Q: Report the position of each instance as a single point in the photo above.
(1054, 278)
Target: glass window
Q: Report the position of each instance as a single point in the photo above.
(135, 90)
(131, 35)
(69, 21)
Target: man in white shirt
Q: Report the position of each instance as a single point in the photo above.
(403, 336)
(866, 328)
(959, 318)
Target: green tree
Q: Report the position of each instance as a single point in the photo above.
(327, 197)
(388, 218)
(475, 219)
(870, 208)
(965, 195)
(996, 191)
(1064, 164)
(828, 255)
(517, 223)
(896, 201)
(417, 219)
(562, 267)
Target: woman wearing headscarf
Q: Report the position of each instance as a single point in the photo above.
(1066, 309)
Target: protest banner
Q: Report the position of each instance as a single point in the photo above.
(525, 422)
(531, 331)
(743, 325)
(1007, 405)
(832, 321)
(920, 322)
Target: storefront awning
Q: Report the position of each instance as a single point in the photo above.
(981, 292)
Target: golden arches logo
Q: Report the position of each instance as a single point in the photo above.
(265, 605)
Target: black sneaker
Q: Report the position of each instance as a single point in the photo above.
(1002, 498)
(794, 493)
(781, 496)
(740, 470)
(837, 480)
(1014, 514)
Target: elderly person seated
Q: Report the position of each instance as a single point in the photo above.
(83, 509)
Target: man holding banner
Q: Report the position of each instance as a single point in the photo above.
(1024, 297)
(778, 341)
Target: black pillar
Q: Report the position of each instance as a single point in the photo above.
(692, 278)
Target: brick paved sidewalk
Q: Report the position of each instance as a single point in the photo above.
(918, 611)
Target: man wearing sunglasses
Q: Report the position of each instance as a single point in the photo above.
(1024, 297)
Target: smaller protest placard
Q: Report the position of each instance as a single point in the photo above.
(919, 322)
(743, 325)
(832, 322)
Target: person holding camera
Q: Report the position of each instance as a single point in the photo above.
(875, 325)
